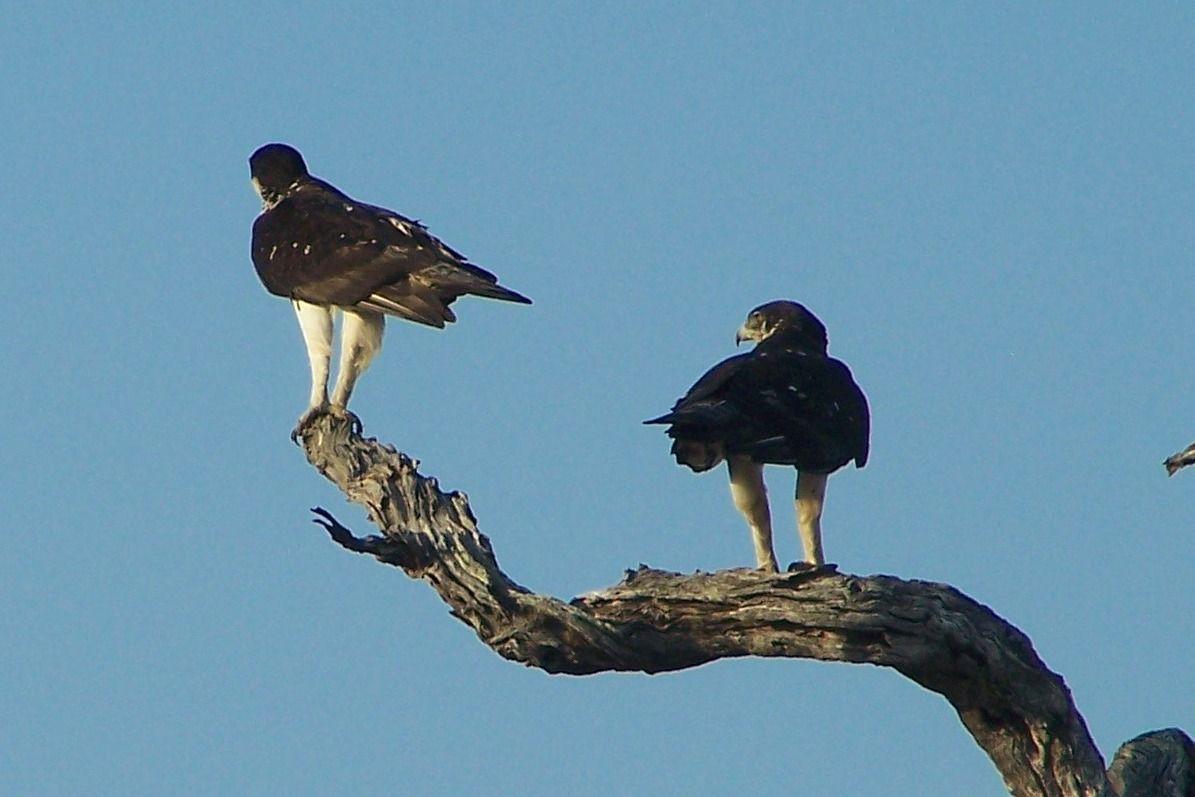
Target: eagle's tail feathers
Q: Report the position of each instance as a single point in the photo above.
(417, 303)
(460, 278)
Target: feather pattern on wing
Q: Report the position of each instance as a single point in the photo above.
(784, 403)
(320, 246)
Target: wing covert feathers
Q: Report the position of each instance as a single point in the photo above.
(322, 247)
(778, 404)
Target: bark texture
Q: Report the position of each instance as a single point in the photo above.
(653, 621)
(1155, 764)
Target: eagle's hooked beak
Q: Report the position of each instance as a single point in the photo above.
(746, 332)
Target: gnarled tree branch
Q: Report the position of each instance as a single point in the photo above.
(1017, 710)
(1179, 460)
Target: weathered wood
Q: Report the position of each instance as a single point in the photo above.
(654, 621)
(1155, 764)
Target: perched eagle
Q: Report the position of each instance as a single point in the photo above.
(324, 251)
(784, 403)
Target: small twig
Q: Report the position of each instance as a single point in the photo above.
(384, 549)
(339, 533)
(1180, 460)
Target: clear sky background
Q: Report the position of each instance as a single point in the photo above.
(991, 210)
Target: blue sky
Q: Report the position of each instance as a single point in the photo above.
(991, 210)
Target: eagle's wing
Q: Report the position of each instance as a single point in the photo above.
(701, 419)
(781, 406)
(713, 381)
(323, 247)
(803, 409)
(706, 395)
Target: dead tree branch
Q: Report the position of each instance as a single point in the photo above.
(1180, 460)
(653, 621)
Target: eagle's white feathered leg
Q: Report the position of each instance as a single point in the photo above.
(360, 340)
(811, 495)
(750, 496)
(316, 323)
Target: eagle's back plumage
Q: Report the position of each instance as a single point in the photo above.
(320, 246)
(783, 403)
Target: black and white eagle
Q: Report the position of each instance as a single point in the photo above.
(786, 402)
(325, 251)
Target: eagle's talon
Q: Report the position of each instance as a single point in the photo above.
(810, 567)
(305, 420)
(345, 415)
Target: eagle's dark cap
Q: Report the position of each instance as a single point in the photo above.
(788, 319)
(277, 166)
(787, 311)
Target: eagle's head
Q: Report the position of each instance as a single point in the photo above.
(786, 319)
(275, 168)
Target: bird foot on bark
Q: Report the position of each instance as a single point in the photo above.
(339, 413)
(305, 420)
(810, 567)
(343, 414)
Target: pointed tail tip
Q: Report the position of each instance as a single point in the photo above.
(507, 295)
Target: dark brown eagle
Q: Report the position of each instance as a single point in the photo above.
(325, 251)
(786, 402)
